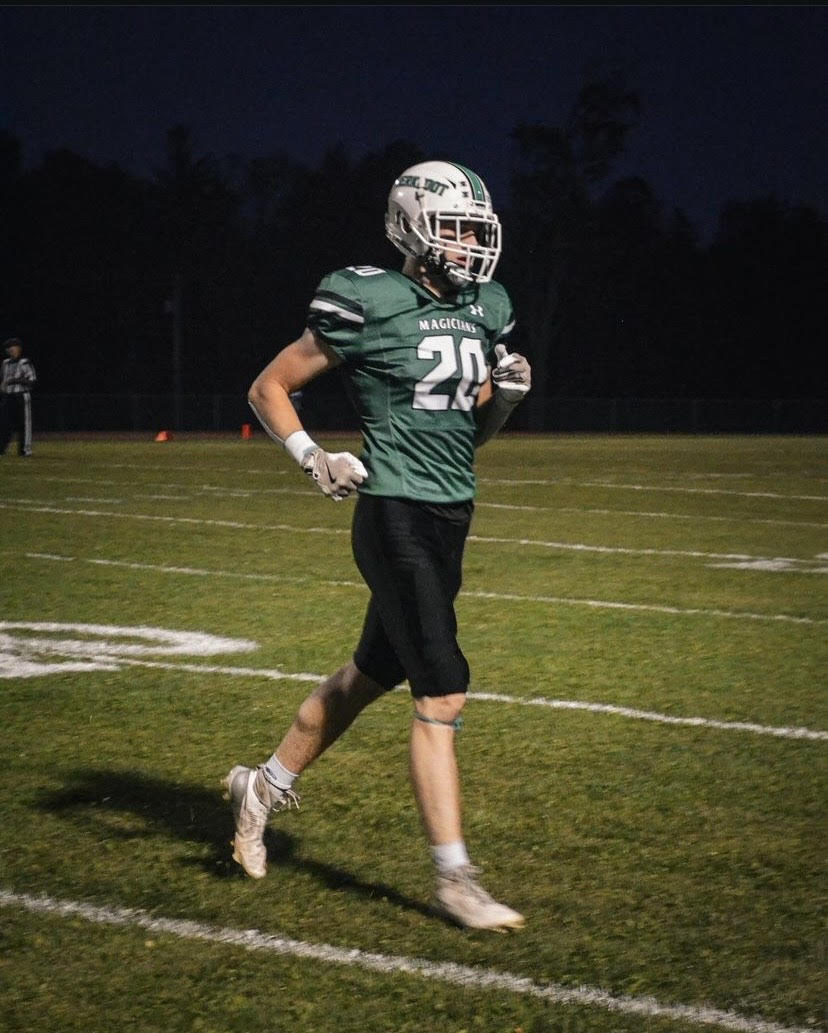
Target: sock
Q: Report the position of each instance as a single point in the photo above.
(449, 855)
(276, 776)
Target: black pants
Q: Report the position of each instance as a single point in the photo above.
(16, 418)
(411, 556)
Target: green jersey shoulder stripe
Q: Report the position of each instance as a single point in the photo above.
(328, 301)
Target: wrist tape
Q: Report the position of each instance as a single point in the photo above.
(298, 444)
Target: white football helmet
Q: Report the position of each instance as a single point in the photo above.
(439, 195)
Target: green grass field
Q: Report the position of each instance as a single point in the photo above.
(644, 750)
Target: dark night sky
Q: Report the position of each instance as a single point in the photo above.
(734, 97)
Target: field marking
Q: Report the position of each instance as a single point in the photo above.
(212, 491)
(552, 704)
(602, 604)
(29, 506)
(629, 551)
(25, 506)
(657, 487)
(706, 491)
(649, 715)
(215, 490)
(88, 498)
(449, 973)
(660, 515)
(247, 492)
(30, 656)
(28, 650)
(775, 566)
(104, 647)
(276, 471)
(225, 493)
(493, 697)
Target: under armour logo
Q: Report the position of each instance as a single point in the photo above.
(476, 310)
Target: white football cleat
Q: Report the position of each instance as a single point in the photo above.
(250, 815)
(461, 898)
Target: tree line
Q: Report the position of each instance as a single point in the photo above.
(193, 278)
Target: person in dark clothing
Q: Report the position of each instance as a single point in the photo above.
(17, 377)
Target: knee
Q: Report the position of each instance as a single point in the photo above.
(444, 709)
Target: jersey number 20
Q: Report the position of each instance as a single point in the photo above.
(467, 359)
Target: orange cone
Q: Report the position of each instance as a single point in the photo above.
(247, 431)
(163, 435)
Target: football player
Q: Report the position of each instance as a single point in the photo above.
(426, 350)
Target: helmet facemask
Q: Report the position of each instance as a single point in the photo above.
(445, 243)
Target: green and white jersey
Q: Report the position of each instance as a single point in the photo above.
(416, 363)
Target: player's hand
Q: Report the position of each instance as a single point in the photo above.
(512, 375)
(336, 474)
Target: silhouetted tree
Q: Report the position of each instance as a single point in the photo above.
(202, 256)
(767, 304)
(11, 161)
(551, 219)
(81, 238)
(609, 296)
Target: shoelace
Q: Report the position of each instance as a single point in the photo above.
(289, 799)
(286, 799)
(253, 822)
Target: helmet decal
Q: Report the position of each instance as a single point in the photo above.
(479, 192)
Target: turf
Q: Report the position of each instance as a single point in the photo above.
(663, 863)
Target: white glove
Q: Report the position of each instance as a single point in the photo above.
(336, 474)
(512, 375)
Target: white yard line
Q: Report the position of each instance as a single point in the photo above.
(650, 514)
(684, 611)
(508, 481)
(277, 471)
(29, 506)
(705, 491)
(649, 715)
(629, 551)
(108, 647)
(655, 488)
(390, 964)
(505, 596)
(225, 493)
(492, 697)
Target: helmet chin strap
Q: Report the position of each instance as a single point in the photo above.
(437, 266)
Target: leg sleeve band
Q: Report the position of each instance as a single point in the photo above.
(456, 724)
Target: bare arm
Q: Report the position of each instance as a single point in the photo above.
(294, 366)
(336, 474)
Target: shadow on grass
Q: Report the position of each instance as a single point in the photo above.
(132, 805)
